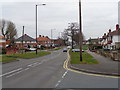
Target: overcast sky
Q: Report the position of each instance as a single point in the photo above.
(98, 16)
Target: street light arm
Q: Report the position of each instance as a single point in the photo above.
(40, 4)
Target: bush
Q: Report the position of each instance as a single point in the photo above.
(4, 51)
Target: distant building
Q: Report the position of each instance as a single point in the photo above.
(2, 41)
(27, 41)
(44, 40)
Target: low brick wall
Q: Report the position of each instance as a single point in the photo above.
(11, 51)
(114, 55)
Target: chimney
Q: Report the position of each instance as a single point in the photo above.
(39, 35)
(46, 36)
(109, 30)
(104, 34)
(117, 27)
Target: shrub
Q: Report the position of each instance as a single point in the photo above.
(4, 51)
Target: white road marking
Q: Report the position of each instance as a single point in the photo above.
(65, 74)
(10, 72)
(16, 73)
(58, 83)
(61, 79)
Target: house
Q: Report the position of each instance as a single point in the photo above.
(113, 38)
(44, 41)
(2, 41)
(58, 42)
(94, 43)
(25, 41)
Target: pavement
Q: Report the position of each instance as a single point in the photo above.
(106, 66)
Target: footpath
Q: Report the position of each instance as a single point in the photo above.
(106, 66)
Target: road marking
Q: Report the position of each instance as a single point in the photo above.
(65, 66)
(61, 79)
(58, 83)
(65, 74)
(11, 72)
(16, 73)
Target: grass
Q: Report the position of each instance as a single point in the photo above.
(87, 58)
(14, 57)
(84, 47)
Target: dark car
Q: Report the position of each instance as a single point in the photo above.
(76, 50)
(65, 50)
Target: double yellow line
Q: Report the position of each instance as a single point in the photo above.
(65, 66)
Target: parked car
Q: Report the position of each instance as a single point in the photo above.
(65, 49)
(30, 49)
(69, 47)
(106, 49)
(76, 50)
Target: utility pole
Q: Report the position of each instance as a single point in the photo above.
(22, 39)
(36, 29)
(80, 24)
(51, 39)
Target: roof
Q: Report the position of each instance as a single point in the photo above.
(116, 32)
(43, 38)
(1, 37)
(25, 37)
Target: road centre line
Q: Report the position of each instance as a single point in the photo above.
(61, 79)
(65, 74)
(11, 72)
(17, 73)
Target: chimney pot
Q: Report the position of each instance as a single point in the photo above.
(109, 30)
(117, 27)
(39, 35)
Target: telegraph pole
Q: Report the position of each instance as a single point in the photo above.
(80, 24)
(22, 38)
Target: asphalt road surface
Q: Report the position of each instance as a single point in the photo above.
(48, 72)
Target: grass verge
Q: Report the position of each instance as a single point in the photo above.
(13, 57)
(87, 58)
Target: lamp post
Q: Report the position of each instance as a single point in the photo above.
(80, 24)
(36, 22)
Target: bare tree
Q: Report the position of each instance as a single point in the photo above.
(73, 32)
(8, 30)
(3, 25)
(11, 32)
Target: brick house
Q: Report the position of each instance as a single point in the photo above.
(111, 40)
(27, 41)
(2, 41)
(44, 40)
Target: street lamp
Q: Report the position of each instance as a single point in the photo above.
(36, 22)
(80, 24)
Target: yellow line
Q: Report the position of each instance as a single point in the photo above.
(65, 66)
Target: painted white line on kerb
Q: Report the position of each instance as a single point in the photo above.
(10, 72)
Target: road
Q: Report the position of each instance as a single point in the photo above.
(48, 72)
